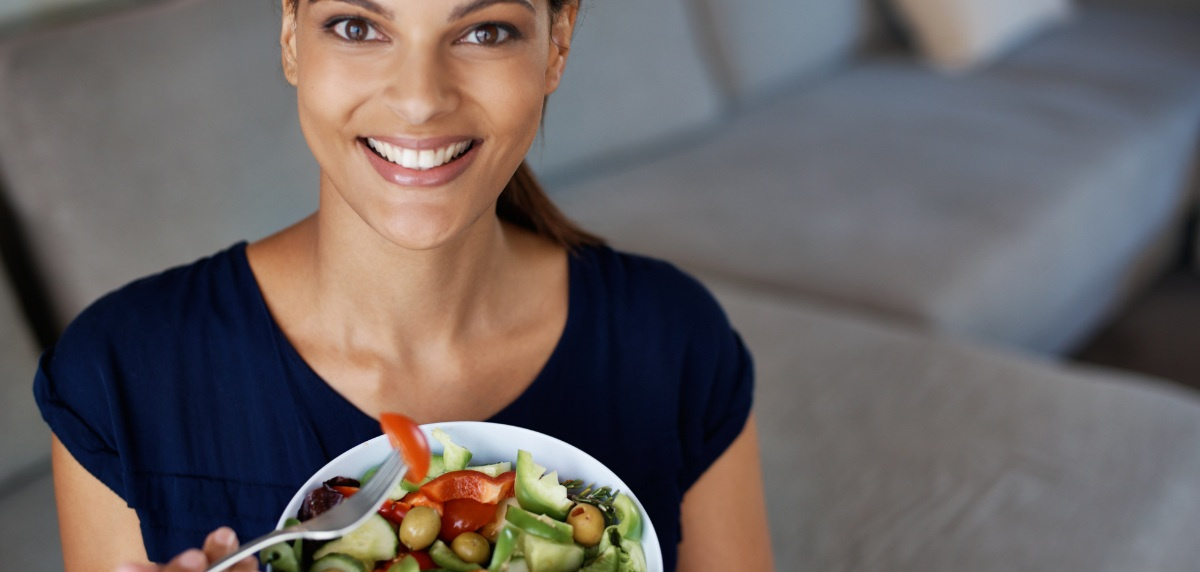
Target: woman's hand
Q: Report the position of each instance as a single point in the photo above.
(219, 543)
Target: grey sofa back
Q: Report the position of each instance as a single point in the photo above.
(148, 139)
(762, 45)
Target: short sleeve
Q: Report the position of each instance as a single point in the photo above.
(718, 391)
(74, 398)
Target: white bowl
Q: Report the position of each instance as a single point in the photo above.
(490, 443)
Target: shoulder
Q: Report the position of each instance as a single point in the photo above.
(153, 309)
(648, 287)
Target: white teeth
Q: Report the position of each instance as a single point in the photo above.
(419, 160)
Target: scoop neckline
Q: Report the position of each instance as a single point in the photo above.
(318, 383)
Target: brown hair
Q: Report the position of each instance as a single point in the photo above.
(524, 202)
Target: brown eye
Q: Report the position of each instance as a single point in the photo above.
(488, 35)
(355, 30)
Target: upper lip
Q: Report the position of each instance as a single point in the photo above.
(421, 144)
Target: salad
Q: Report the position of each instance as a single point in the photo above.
(462, 517)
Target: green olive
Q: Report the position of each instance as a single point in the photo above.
(420, 527)
(588, 524)
(471, 547)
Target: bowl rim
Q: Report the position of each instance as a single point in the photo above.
(652, 548)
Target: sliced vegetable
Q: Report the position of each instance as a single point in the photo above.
(544, 555)
(637, 559)
(472, 485)
(464, 515)
(437, 466)
(406, 436)
(445, 557)
(629, 519)
(374, 540)
(506, 543)
(606, 561)
(539, 493)
(338, 563)
(406, 564)
(540, 526)
(455, 456)
(492, 470)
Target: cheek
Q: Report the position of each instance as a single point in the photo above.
(513, 97)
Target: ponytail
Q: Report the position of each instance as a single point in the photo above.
(525, 204)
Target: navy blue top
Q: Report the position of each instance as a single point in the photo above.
(180, 392)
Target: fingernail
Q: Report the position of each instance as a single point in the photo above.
(193, 560)
(226, 537)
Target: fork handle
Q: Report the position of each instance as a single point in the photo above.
(274, 537)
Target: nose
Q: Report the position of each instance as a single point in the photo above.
(421, 88)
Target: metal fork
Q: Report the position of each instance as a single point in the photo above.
(337, 521)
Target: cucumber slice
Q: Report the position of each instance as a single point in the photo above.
(606, 561)
(548, 556)
(374, 540)
(492, 470)
(518, 565)
(338, 563)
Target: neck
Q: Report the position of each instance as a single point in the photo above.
(366, 286)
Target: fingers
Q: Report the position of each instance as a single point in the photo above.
(217, 545)
(222, 542)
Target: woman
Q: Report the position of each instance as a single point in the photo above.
(435, 279)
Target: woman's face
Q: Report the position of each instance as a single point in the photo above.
(419, 111)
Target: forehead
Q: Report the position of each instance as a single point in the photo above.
(460, 7)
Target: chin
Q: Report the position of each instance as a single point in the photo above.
(423, 229)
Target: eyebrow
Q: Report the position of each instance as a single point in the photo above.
(476, 5)
(367, 5)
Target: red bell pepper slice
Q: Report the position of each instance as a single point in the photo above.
(472, 485)
(394, 511)
(421, 499)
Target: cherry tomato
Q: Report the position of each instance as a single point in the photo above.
(464, 515)
(346, 491)
(472, 485)
(406, 436)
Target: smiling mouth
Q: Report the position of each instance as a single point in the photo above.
(419, 160)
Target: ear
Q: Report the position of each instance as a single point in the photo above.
(287, 40)
(561, 31)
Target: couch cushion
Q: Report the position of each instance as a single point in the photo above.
(635, 79)
(883, 450)
(783, 41)
(24, 438)
(1011, 205)
(145, 140)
